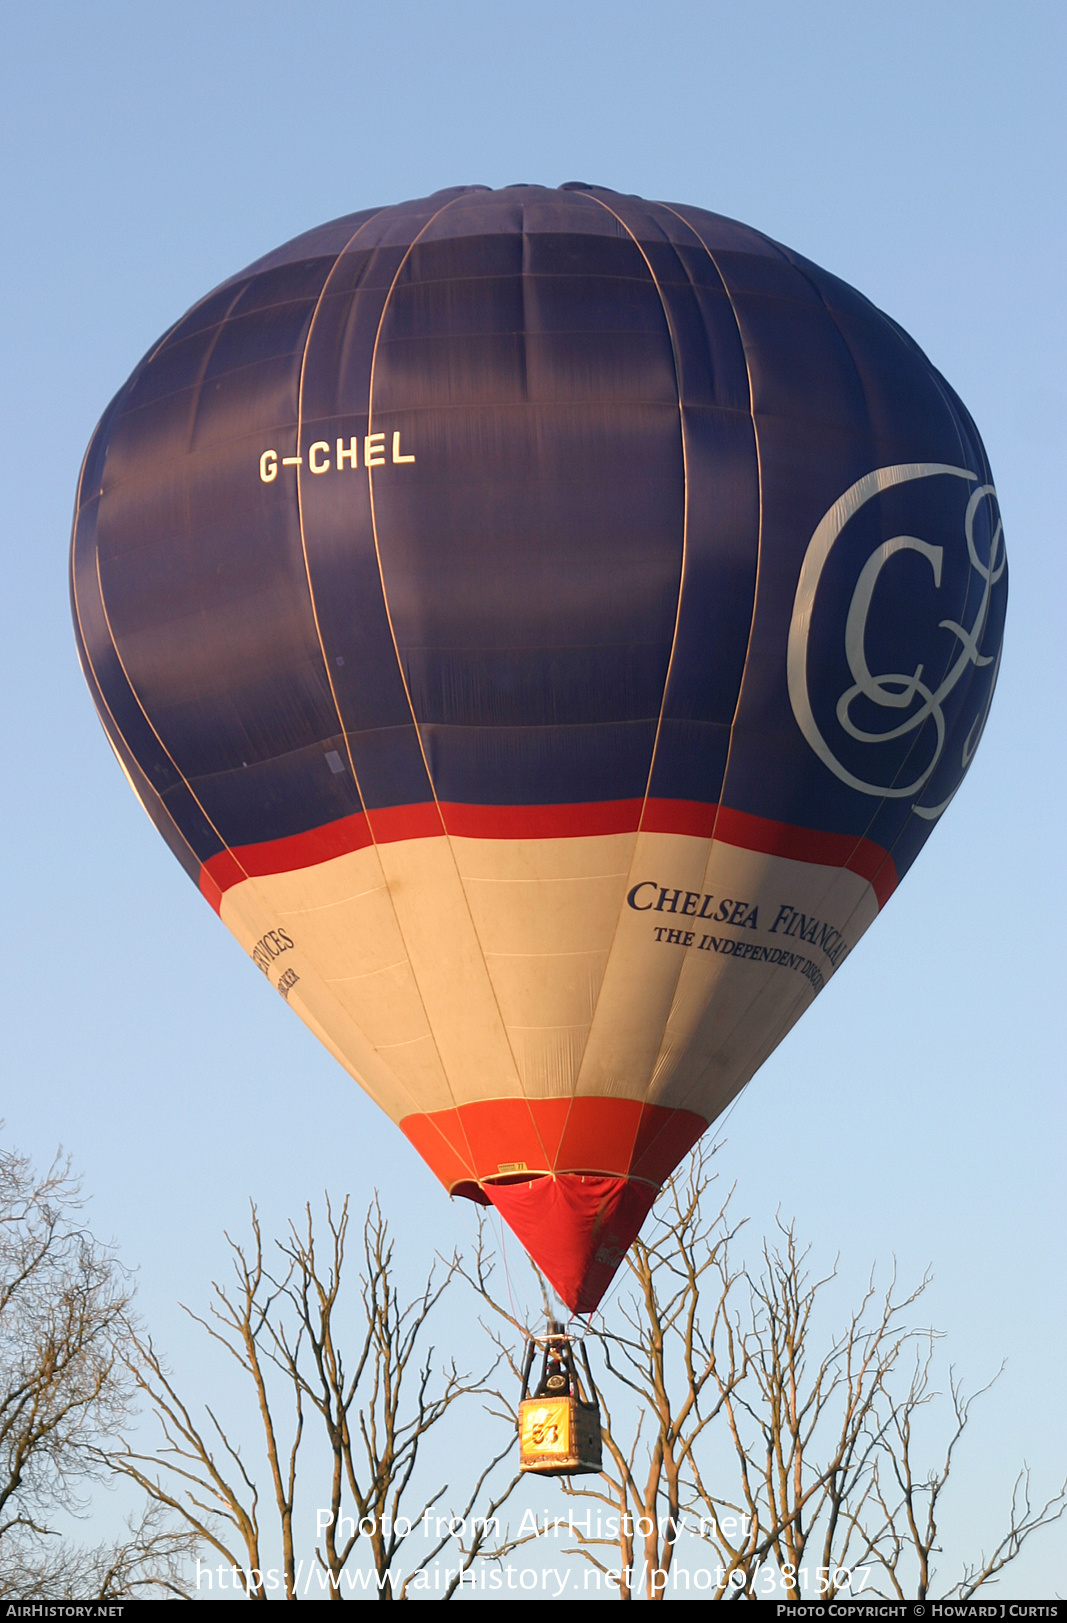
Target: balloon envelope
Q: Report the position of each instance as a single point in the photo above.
(546, 625)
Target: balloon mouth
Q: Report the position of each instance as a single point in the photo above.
(469, 1189)
(478, 1190)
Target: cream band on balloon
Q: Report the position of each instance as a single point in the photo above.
(893, 691)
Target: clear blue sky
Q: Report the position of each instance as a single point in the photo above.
(916, 150)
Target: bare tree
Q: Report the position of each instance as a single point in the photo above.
(65, 1306)
(787, 1448)
(822, 1423)
(906, 1551)
(806, 1431)
(150, 1560)
(369, 1382)
(737, 1420)
(675, 1351)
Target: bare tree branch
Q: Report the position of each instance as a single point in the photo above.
(375, 1398)
(65, 1315)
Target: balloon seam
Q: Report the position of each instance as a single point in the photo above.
(755, 590)
(322, 647)
(400, 664)
(104, 700)
(155, 732)
(674, 638)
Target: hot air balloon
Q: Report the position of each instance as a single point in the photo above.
(546, 625)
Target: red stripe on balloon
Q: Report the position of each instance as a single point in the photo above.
(859, 856)
(541, 822)
(680, 817)
(230, 867)
(390, 824)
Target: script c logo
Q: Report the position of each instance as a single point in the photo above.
(894, 691)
